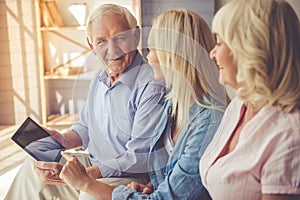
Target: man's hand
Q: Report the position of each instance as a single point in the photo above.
(49, 172)
(93, 172)
(69, 139)
(56, 135)
(144, 189)
(73, 172)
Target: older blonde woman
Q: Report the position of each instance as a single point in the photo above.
(179, 43)
(255, 152)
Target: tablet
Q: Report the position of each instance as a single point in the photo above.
(37, 142)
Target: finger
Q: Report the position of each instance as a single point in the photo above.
(39, 164)
(43, 165)
(45, 128)
(67, 156)
(131, 185)
(51, 132)
(53, 166)
(147, 190)
(55, 135)
(53, 180)
(135, 186)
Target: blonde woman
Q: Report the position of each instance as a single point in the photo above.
(255, 152)
(179, 43)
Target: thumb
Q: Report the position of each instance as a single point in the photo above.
(67, 156)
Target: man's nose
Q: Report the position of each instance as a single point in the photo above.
(112, 47)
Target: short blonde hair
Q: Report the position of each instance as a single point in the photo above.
(264, 38)
(107, 9)
(181, 39)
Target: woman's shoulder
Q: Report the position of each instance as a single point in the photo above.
(289, 121)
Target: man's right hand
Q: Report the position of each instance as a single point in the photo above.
(56, 135)
(94, 172)
(69, 139)
(49, 172)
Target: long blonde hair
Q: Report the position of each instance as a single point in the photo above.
(264, 38)
(182, 42)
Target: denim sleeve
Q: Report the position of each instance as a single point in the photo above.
(183, 181)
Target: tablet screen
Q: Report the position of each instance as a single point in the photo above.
(37, 142)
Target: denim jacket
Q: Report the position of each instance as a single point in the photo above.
(177, 176)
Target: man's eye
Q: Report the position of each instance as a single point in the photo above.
(101, 42)
(119, 38)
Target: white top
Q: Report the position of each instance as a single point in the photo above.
(169, 144)
(266, 159)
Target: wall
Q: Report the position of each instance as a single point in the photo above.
(66, 95)
(20, 83)
(151, 8)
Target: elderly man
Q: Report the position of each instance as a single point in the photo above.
(124, 104)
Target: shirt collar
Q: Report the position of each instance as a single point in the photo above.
(129, 75)
(196, 109)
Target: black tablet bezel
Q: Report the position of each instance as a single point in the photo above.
(41, 133)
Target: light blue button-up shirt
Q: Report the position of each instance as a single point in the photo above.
(117, 121)
(177, 176)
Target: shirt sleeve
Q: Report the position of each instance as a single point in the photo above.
(183, 181)
(148, 108)
(81, 128)
(281, 171)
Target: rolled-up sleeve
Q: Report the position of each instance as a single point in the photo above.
(81, 127)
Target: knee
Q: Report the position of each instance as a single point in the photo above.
(27, 166)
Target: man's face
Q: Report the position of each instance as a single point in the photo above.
(113, 43)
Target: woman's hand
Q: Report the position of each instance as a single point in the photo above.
(144, 189)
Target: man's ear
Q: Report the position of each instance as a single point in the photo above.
(89, 43)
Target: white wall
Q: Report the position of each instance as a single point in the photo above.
(20, 83)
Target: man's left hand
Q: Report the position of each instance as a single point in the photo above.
(49, 172)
